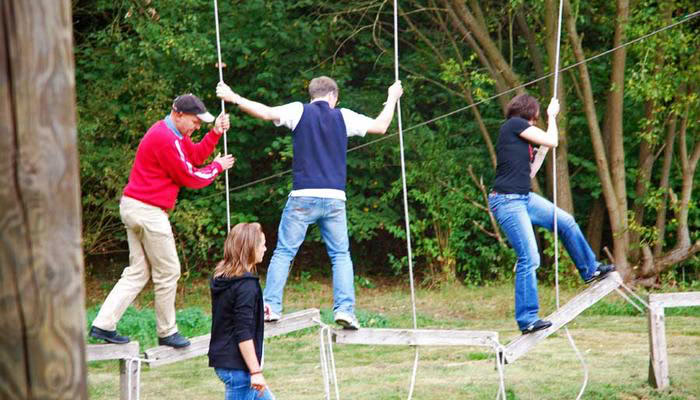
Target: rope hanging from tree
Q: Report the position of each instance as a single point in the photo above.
(554, 198)
(405, 197)
(682, 20)
(223, 110)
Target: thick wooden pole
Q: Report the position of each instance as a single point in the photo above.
(42, 299)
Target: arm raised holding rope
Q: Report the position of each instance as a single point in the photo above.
(383, 120)
(319, 176)
(537, 136)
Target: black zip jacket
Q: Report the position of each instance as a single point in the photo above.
(237, 316)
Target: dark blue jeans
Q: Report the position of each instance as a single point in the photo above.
(238, 385)
(517, 214)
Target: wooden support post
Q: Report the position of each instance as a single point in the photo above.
(415, 337)
(42, 298)
(128, 380)
(163, 355)
(522, 344)
(658, 355)
(658, 358)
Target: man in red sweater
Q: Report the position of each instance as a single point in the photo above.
(166, 160)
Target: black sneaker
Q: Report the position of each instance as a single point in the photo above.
(175, 340)
(536, 326)
(601, 272)
(108, 336)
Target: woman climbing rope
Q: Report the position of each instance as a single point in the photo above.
(516, 208)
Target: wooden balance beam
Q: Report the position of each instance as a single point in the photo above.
(522, 344)
(163, 355)
(415, 337)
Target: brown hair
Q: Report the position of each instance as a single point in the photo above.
(321, 86)
(239, 250)
(523, 106)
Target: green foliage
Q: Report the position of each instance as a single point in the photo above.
(133, 57)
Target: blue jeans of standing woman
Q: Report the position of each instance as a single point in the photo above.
(238, 385)
(517, 213)
(298, 214)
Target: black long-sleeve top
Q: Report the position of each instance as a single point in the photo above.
(237, 316)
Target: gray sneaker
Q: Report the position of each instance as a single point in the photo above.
(270, 316)
(346, 320)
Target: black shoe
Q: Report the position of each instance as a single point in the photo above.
(536, 326)
(108, 336)
(175, 340)
(601, 273)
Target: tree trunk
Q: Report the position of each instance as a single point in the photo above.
(595, 226)
(564, 197)
(466, 86)
(664, 184)
(499, 81)
(533, 50)
(613, 124)
(482, 37)
(599, 149)
(42, 347)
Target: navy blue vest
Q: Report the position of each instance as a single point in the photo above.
(320, 145)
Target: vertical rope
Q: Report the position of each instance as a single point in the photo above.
(223, 110)
(554, 158)
(405, 196)
(554, 197)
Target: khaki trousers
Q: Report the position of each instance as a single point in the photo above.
(152, 255)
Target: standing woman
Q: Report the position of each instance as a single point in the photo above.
(516, 208)
(236, 345)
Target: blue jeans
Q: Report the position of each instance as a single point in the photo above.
(238, 387)
(516, 214)
(298, 214)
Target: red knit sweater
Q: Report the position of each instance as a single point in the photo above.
(165, 162)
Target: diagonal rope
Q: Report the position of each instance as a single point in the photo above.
(684, 19)
(554, 197)
(405, 197)
(223, 110)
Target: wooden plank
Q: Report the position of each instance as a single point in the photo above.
(293, 322)
(658, 357)
(680, 299)
(42, 296)
(522, 344)
(98, 352)
(415, 337)
(163, 355)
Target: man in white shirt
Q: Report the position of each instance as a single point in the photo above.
(320, 136)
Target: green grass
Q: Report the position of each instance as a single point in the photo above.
(613, 338)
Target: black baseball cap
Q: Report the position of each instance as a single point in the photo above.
(191, 104)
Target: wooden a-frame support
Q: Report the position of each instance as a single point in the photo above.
(522, 344)
(658, 355)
